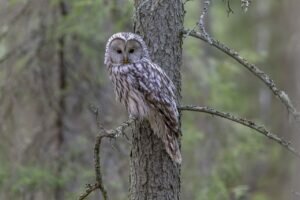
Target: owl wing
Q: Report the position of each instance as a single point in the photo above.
(159, 92)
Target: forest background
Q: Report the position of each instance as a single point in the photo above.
(51, 71)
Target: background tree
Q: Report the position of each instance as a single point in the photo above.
(223, 155)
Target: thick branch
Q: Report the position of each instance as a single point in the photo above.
(284, 98)
(259, 128)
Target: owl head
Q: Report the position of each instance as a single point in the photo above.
(125, 48)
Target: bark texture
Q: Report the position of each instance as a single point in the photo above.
(153, 175)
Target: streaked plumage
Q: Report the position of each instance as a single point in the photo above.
(144, 88)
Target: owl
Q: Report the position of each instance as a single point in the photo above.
(144, 88)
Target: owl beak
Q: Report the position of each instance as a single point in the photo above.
(125, 61)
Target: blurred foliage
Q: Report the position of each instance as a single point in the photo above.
(222, 160)
(214, 79)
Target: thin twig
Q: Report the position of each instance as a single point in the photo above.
(186, 1)
(108, 134)
(96, 111)
(259, 128)
(200, 24)
(89, 189)
(201, 21)
(98, 165)
(284, 98)
(229, 9)
(114, 133)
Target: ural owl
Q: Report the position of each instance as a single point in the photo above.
(144, 88)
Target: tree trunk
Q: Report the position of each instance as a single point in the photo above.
(153, 173)
(58, 191)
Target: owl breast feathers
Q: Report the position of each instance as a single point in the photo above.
(144, 88)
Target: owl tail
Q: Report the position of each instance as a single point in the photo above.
(172, 147)
(168, 137)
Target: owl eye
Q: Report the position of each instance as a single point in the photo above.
(119, 51)
(131, 50)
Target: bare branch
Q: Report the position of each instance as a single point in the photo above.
(201, 21)
(186, 1)
(201, 24)
(114, 133)
(259, 128)
(283, 97)
(89, 189)
(229, 9)
(99, 181)
(108, 134)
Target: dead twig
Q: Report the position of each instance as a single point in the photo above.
(229, 9)
(259, 128)
(283, 97)
(200, 24)
(201, 21)
(114, 133)
(89, 189)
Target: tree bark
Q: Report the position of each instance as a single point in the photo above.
(153, 175)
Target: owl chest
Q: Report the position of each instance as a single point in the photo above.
(133, 100)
